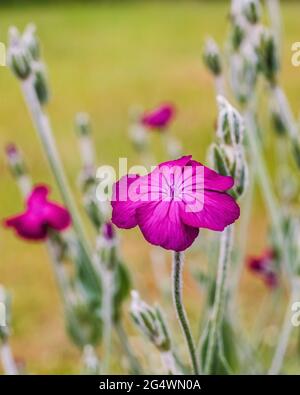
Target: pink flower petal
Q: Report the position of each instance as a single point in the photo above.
(55, 216)
(216, 212)
(28, 226)
(161, 225)
(123, 204)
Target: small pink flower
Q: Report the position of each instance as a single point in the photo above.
(40, 216)
(172, 202)
(159, 118)
(263, 266)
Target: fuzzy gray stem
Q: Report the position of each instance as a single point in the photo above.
(218, 307)
(8, 363)
(285, 332)
(181, 314)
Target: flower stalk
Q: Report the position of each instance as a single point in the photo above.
(220, 294)
(180, 310)
(286, 330)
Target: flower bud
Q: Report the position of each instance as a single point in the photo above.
(93, 210)
(230, 124)
(237, 36)
(278, 123)
(40, 83)
(296, 150)
(106, 245)
(219, 160)
(18, 58)
(83, 124)
(212, 58)
(268, 62)
(31, 42)
(15, 160)
(251, 10)
(150, 322)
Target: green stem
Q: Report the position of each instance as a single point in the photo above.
(43, 128)
(181, 314)
(107, 305)
(266, 187)
(218, 307)
(285, 333)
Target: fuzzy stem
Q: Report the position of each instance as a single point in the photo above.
(169, 362)
(107, 305)
(266, 187)
(285, 332)
(283, 104)
(181, 314)
(7, 359)
(218, 307)
(43, 128)
(134, 364)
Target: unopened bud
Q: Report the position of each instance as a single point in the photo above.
(15, 160)
(150, 322)
(83, 124)
(251, 10)
(219, 160)
(230, 124)
(237, 36)
(296, 150)
(267, 57)
(212, 57)
(41, 84)
(107, 246)
(31, 42)
(18, 57)
(93, 210)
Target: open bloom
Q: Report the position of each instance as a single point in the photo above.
(263, 266)
(40, 216)
(172, 202)
(159, 118)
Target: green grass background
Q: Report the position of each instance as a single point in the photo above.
(103, 58)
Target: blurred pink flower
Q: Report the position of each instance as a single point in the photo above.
(263, 266)
(172, 202)
(40, 216)
(159, 118)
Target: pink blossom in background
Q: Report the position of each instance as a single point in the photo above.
(263, 266)
(160, 117)
(172, 202)
(40, 216)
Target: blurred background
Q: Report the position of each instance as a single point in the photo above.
(104, 57)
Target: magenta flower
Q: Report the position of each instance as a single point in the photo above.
(40, 216)
(159, 118)
(263, 266)
(172, 202)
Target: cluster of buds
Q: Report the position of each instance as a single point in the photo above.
(228, 152)
(24, 58)
(150, 322)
